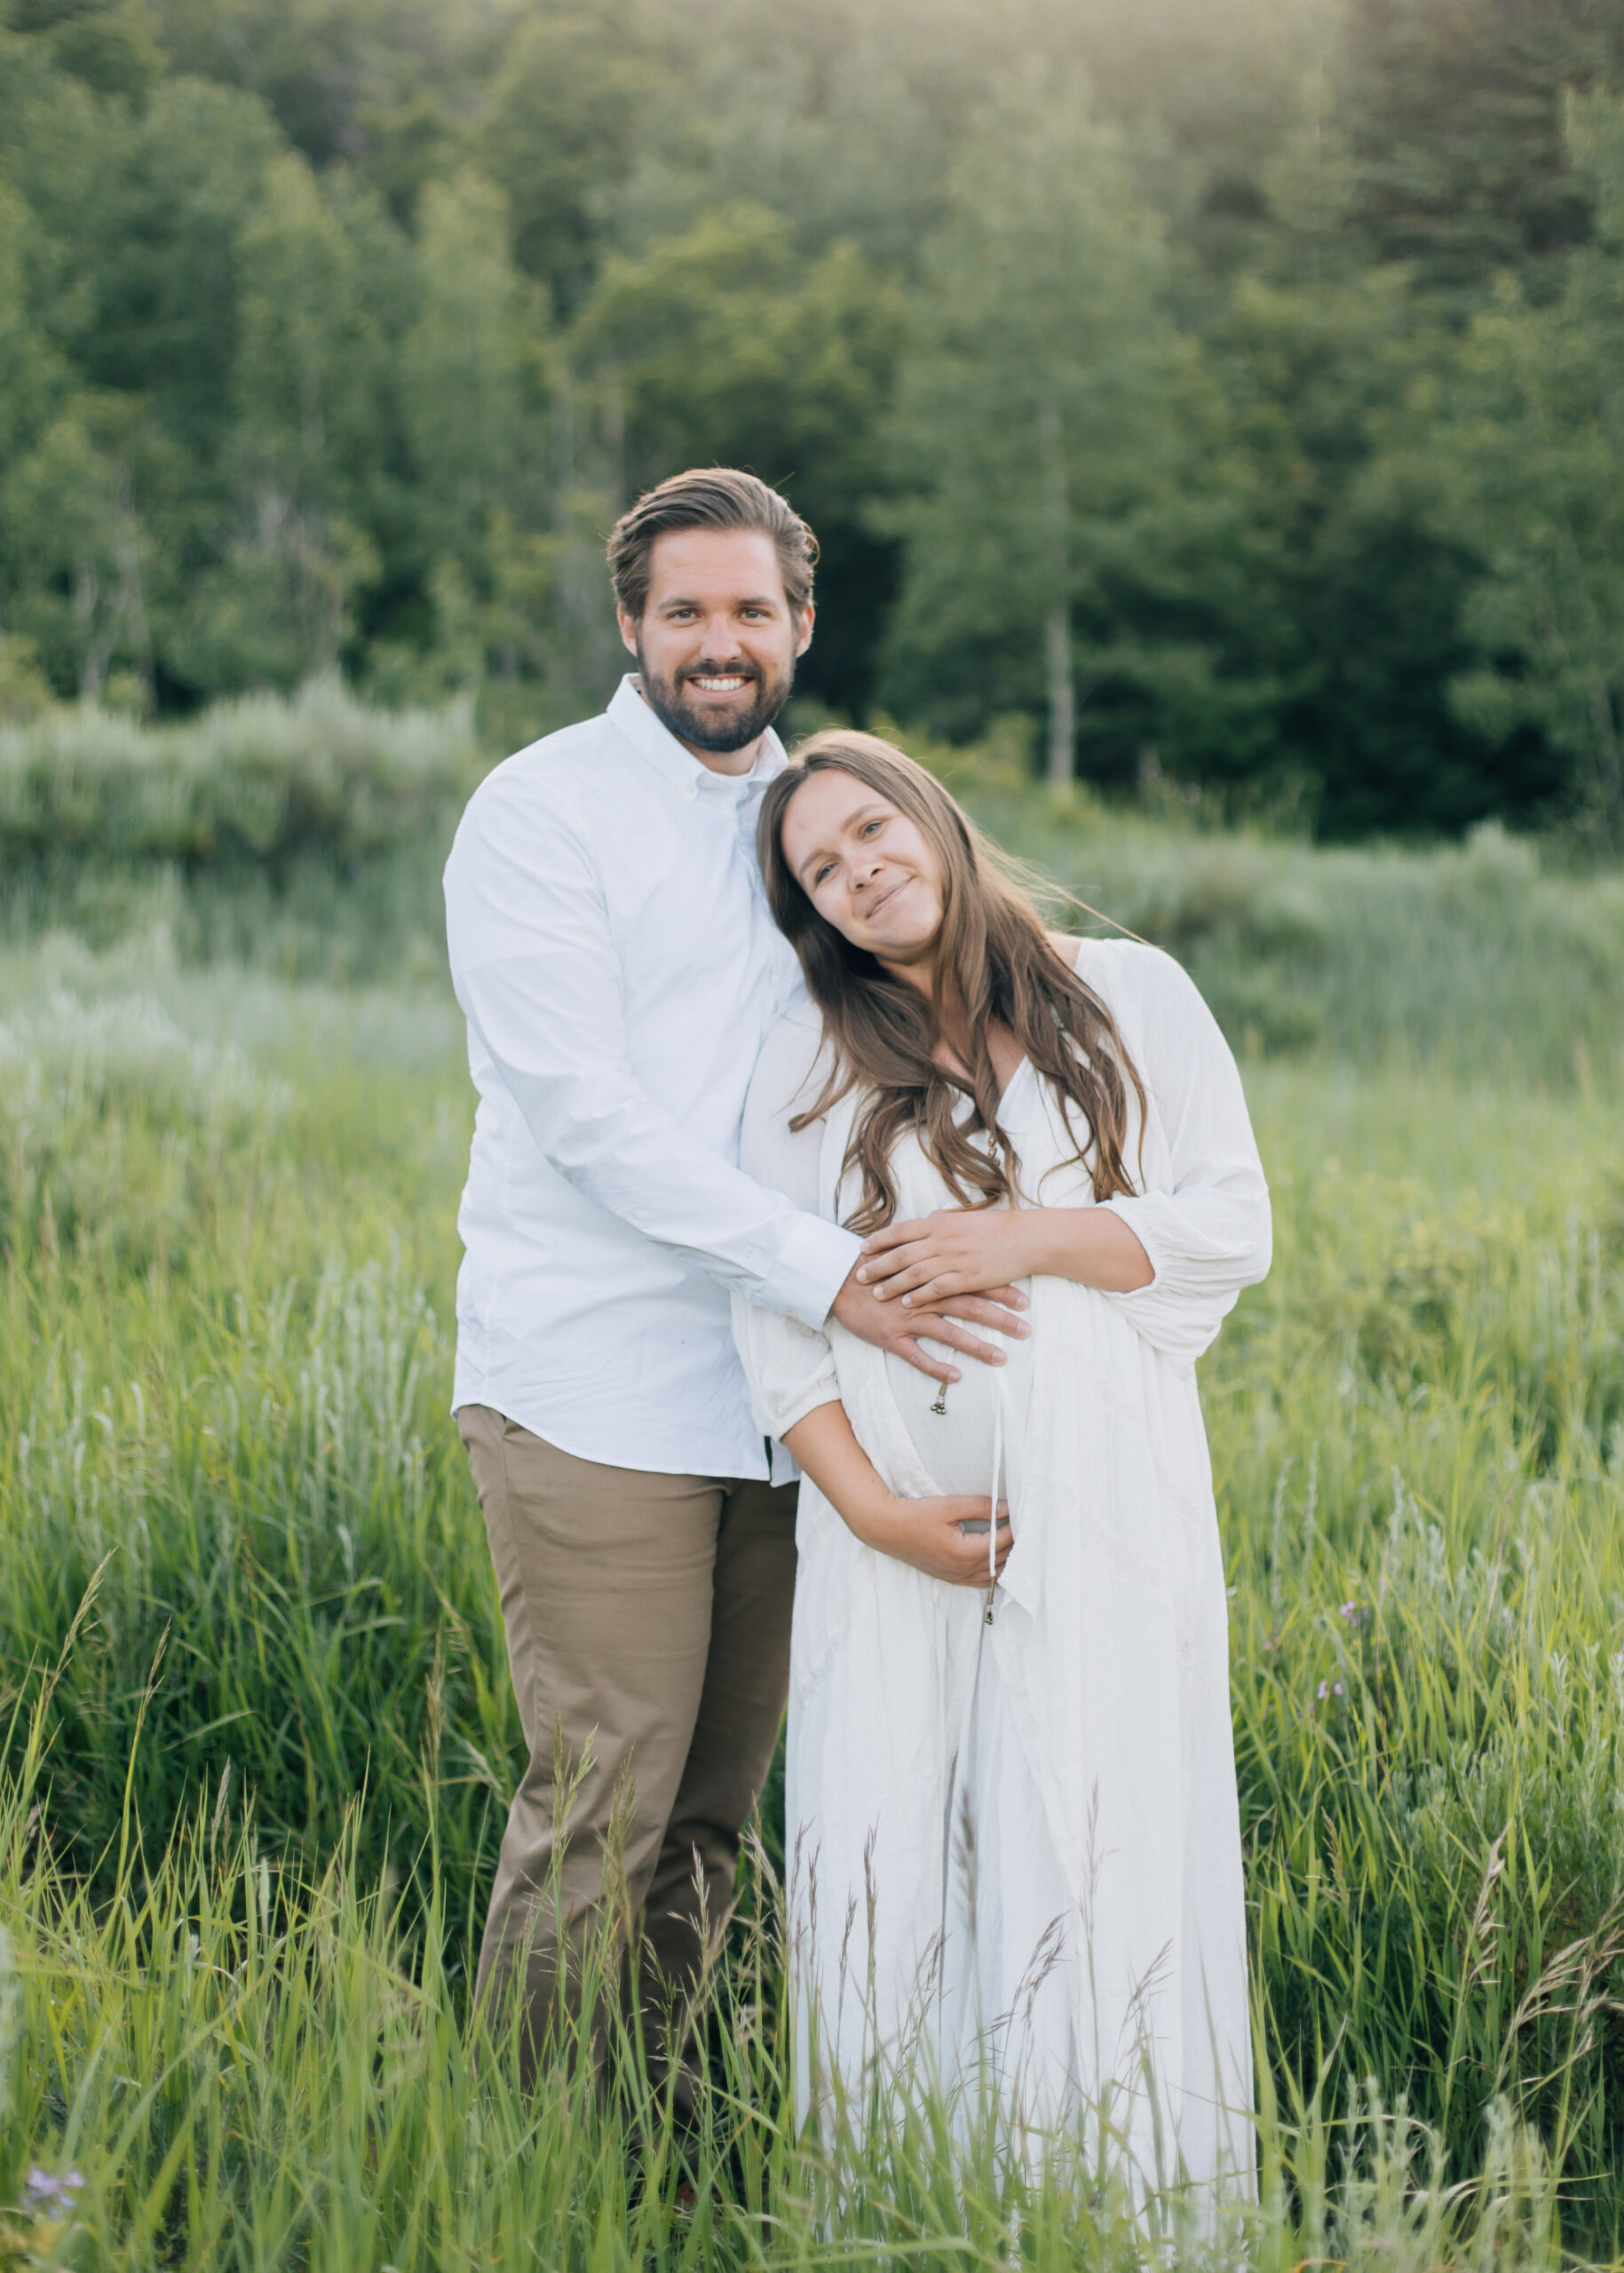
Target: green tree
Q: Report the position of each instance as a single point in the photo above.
(477, 369)
(555, 131)
(379, 85)
(1454, 110)
(88, 512)
(1354, 592)
(115, 49)
(154, 213)
(840, 119)
(723, 345)
(1527, 456)
(1048, 413)
(325, 290)
(463, 365)
(33, 374)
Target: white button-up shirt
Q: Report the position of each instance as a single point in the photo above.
(612, 950)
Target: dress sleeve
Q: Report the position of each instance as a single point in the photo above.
(789, 1367)
(1206, 1227)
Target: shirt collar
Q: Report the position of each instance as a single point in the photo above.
(674, 764)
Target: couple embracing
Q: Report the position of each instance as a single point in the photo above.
(839, 1244)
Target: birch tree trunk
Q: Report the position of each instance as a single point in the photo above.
(1057, 615)
(1062, 701)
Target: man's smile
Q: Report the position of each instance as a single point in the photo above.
(728, 684)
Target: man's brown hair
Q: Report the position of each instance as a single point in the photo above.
(709, 497)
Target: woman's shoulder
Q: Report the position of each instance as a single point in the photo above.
(1126, 973)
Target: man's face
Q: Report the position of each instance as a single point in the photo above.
(718, 642)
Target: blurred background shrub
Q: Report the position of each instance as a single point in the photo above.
(306, 836)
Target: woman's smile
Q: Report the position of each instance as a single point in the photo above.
(886, 897)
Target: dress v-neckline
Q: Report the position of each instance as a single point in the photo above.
(1024, 1067)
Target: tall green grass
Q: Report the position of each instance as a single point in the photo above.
(226, 1207)
(248, 1817)
(221, 2064)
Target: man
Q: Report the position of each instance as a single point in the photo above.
(612, 949)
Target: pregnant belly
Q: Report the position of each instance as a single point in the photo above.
(955, 1446)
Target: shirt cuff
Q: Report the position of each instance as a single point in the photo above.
(814, 1264)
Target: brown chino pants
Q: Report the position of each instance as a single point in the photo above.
(647, 1622)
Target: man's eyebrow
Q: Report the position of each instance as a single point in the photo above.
(678, 599)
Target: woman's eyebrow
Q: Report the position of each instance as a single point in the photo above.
(853, 819)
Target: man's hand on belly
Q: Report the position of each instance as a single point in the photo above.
(888, 1327)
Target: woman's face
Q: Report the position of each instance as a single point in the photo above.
(866, 867)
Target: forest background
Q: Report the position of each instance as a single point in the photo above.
(1226, 393)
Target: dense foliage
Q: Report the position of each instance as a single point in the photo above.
(1229, 390)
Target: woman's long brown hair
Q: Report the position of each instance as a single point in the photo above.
(994, 949)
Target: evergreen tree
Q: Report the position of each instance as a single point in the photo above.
(1454, 114)
(1527, 461)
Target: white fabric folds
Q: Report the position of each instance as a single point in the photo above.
(948, 1780)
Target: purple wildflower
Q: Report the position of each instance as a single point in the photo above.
(1351, 1612)
(45, 2192)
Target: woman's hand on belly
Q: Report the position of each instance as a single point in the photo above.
(930, 1534)
(934, 1258)
(926, 1533)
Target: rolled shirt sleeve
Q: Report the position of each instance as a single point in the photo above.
(536, 972)
(1204, 1223)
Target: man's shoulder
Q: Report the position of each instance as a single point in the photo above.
(549, 773)
(556, 791)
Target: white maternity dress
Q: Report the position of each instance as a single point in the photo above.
(1014, 1844)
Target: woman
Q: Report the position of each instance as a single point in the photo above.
(1012, 1819)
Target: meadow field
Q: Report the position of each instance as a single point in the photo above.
(258, 1733)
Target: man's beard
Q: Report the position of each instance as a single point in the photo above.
(712, 730)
